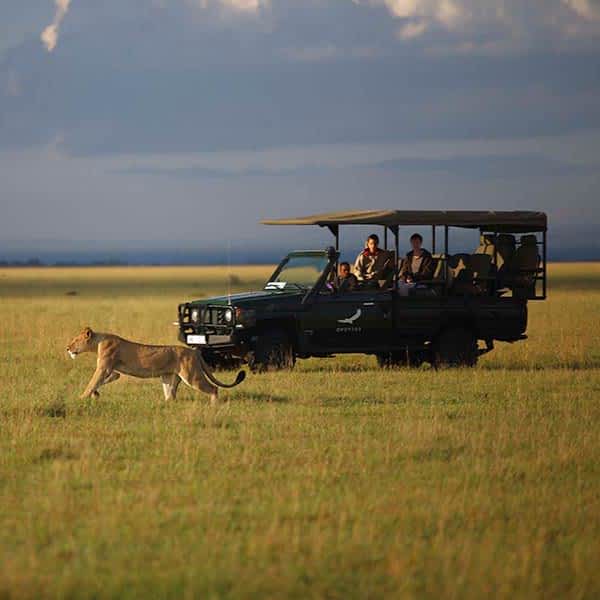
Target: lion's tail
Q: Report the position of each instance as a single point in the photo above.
(207, 370)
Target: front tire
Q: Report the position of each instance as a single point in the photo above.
(455, 347)
(274, 352)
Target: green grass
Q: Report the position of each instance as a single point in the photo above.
(337, 480)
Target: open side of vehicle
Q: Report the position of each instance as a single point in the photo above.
(471, 300)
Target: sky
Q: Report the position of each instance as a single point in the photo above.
(167, 129)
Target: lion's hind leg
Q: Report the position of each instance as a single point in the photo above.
(198, 381)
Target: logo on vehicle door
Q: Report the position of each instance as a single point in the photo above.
(350, 320)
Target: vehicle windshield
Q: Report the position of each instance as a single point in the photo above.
(300, 271)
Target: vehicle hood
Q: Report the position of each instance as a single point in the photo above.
(249, 299)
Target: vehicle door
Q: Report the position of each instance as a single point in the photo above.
(352, 321)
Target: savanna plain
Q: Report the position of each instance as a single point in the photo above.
(335, 480)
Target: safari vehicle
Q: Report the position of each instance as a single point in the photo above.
(472, 300)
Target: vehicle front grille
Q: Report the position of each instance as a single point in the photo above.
(210, 317)
(213, 315)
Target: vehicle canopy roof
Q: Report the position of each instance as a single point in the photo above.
(502, 221)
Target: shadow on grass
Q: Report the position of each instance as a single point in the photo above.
(55, 410)
(56, 453)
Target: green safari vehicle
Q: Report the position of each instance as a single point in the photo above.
(472, 300)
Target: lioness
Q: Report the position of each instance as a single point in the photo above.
(172, 364)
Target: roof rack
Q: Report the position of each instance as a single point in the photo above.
(500, 221)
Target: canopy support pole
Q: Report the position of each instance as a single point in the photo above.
(433, 239)
(446, 255)
(545, 259)
(446, 239)
(335, 230)
(395, 230)
(496, 279)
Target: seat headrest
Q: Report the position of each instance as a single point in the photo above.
(480, 263)
(506, 239)
(529, 240)
(455, 260)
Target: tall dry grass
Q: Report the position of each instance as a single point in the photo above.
(336, 480)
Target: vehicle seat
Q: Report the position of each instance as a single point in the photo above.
(388, 273)
(441, 265)
(462, 274)
(524, 267)
(457, 262)
(505, 252)
(481, 268)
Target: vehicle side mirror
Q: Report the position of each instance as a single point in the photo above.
(331, 253)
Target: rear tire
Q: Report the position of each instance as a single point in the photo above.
(274, 352)
(456, 347)
(395, 360)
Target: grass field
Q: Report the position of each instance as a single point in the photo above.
(336, 480)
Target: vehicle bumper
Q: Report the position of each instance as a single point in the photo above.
(224, 341)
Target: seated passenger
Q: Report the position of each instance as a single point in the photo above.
(345, 281)
(371, 263)
(418, 264)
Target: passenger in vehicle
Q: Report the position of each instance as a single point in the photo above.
(371, 263)
(346, 281)
(418, 264)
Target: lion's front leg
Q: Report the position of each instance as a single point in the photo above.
(170, 384)
(112, 377)
(100, 377)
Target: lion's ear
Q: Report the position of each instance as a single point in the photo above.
(88, 332)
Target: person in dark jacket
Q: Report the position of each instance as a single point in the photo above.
(418, 264)
(346, 281)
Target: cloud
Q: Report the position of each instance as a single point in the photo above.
(236, 6)
(512, 21)
(49, 36)
(587, 9)
(412, 29)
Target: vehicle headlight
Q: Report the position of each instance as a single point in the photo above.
(195, 315)
(228, 315)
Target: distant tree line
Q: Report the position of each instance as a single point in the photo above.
(36, 262)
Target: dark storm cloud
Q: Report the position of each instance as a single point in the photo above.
(113, 121)
(152, 79)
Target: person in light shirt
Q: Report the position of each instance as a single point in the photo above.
(371, 263)
(418, 264)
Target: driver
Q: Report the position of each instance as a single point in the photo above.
(345, 281)
(371, 262)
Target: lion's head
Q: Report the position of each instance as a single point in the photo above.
(81, 343)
